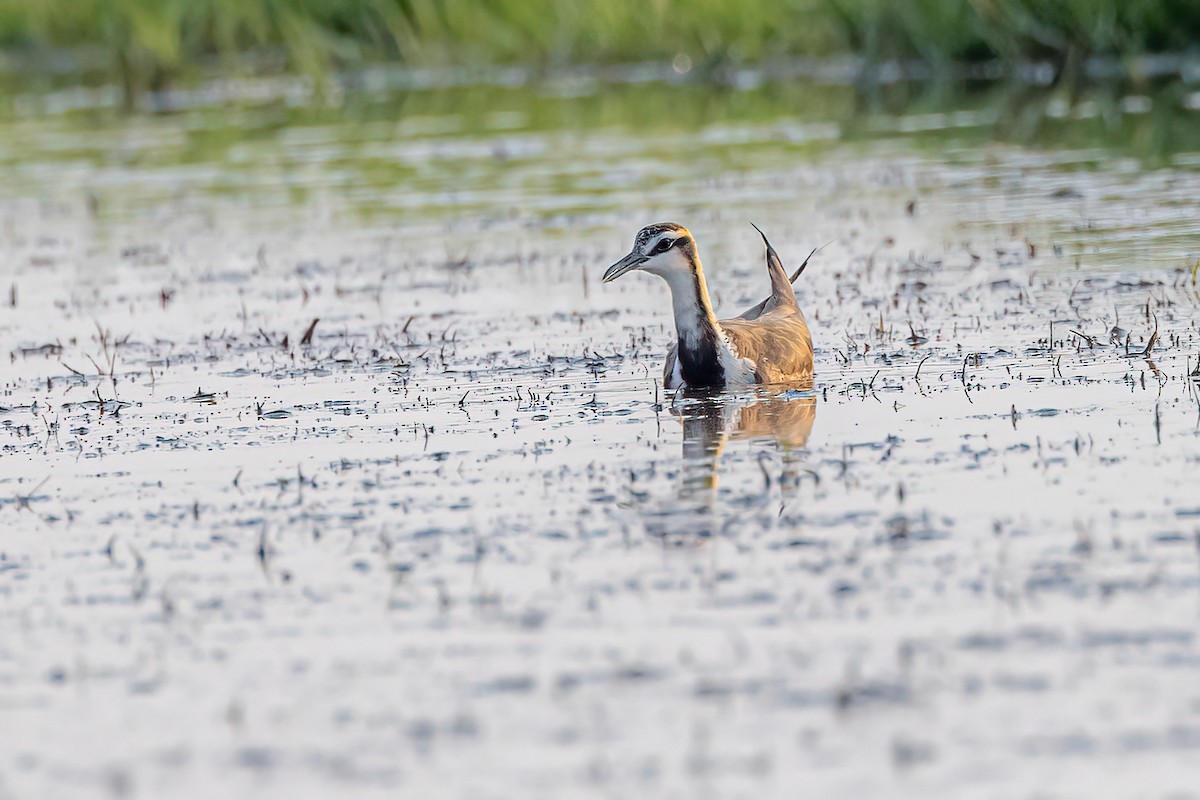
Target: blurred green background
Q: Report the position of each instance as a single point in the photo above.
(147, 45)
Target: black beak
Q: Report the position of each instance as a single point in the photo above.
(631, 261)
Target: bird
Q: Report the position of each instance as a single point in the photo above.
(767, 344)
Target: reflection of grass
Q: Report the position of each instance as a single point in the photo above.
(150, 43)
(425, 141)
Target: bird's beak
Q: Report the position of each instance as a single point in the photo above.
(631, 261)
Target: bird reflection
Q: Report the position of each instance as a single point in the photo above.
(709, 423)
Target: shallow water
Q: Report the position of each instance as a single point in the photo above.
(459, 543)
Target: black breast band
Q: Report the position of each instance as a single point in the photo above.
(700, 362)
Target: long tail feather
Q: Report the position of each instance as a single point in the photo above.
(775, 268)
(781, 287)
(800, 269)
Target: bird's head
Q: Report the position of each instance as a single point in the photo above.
(663, 249)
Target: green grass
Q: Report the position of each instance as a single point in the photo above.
(148, 44)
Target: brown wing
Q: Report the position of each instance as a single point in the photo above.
(778, 343)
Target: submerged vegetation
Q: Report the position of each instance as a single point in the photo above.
(151, 44)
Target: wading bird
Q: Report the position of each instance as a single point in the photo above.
(768, 343)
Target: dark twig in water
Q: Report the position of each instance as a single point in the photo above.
(966, 388)
(140, 582)
(917, 377)
(306, 339)
(1153, 337)
(262, 552)
(1091, 340)
(24, 500)
(763, 459)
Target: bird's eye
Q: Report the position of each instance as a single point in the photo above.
(663, 246)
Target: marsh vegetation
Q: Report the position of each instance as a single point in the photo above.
(147, 45)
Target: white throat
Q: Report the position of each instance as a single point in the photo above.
(692, 308)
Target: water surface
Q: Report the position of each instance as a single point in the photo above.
(457, 541)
